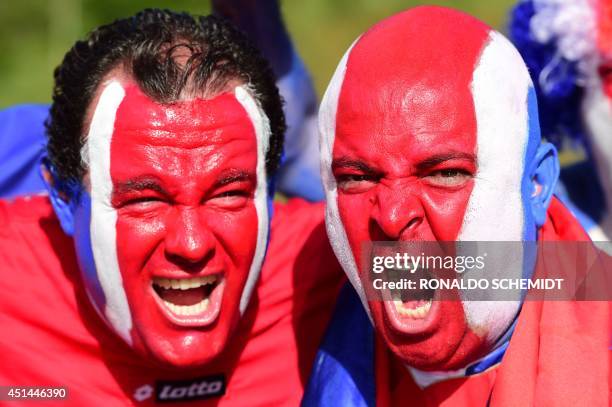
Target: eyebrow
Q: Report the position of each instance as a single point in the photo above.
(234, 176)
(437, 159)
(345, 162)
(140, 184)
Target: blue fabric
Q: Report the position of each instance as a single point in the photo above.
(22, 144)
(490, 360)
(343, 372)
(300, 173)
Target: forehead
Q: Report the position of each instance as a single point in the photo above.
(408, 81)
(182, 124)
(182, 142)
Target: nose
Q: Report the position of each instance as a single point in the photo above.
(398, 212)
(187, 238)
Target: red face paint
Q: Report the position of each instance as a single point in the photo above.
(404, 156)
(183, 176)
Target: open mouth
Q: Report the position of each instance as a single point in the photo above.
(194, 301)
(413, 310)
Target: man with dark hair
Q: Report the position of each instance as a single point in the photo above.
(141, 276)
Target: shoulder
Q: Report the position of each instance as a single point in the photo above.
(25, 210)
(561, 224)
(298, 223)
(299, 211)
(299, 254)
(298, 230)
(30, 235)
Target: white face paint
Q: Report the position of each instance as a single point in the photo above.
(261, 124)
(103, 232)
(495, 210)
(327, 134)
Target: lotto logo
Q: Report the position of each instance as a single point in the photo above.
(185, 390)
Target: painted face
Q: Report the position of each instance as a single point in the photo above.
(172, 235)
(425, 137)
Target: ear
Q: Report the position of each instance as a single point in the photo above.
(61, 202)
(544, 175)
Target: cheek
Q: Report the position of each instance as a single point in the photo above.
(236, 233)
(137, 239)
(445, 211)
(355, 212)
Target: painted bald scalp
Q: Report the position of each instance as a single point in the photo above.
(429, 81)
(430, 48)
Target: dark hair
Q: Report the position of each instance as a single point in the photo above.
(144, 46)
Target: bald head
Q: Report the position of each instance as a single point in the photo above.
(429, 132)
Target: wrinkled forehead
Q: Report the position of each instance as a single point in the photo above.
(433, 71)
(182, 124)
(409, 72)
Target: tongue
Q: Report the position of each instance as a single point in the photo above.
(182, 297)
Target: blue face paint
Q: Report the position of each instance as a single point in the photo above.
(527, 186)
(541, 165)
(72, 206)
(533, 142)
(82, 244)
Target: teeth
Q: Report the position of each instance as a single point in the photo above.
(194, 309)
(417, 313)
(184, 283)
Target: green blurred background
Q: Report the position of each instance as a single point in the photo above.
(35, 34)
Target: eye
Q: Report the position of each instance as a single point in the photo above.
(235, 198)
(141, 202)
(233, 193)
(448, 177)
(355, 183)
(145, 199)
(140, 206)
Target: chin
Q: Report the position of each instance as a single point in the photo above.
(176, 343)
(187, 349)
(433, 337)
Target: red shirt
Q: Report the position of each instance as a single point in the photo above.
(51, 335)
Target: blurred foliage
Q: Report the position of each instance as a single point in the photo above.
(35, 34)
